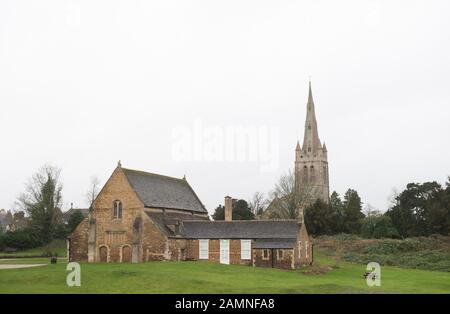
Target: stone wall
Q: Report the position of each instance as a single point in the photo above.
(114, 233)
(303, 251)
(276, 258)
(78, 242)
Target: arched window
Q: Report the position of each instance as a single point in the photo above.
(305, 174)
(313, 174)
(117, 210)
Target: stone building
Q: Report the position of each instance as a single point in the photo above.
(140, 217)
(311, 159)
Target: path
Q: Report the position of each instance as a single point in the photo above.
(15, 266)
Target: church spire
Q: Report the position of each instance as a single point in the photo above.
(310, 97)
(311, 141)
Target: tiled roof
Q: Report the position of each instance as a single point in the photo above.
(274, 243)
(242, 229)
(163, 221)
(164, 192)
(66, 215)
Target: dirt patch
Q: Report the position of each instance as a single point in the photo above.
(317, 270)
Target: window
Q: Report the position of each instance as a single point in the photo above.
(280, 254)
(203, 249)
(246, 248)
(299, 249)
(265, 254)
(306, 249)
(117, 210)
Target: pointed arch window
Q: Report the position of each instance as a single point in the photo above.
(117, 209)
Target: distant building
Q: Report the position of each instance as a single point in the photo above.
(66, 215)
(12, 222)
(311, 159)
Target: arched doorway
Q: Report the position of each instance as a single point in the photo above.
(103, 250)
(126, 254)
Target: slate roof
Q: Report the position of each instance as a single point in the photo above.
(66, 215)
(163, 221)
(273, 234)
(240, 229)
(274, 243)
(160, 191)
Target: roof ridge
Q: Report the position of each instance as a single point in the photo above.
(252, 220)
(153, 174)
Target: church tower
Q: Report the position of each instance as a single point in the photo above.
(311, 162)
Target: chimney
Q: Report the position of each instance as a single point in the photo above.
(228, 208)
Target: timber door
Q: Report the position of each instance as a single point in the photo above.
(225, 251)
(103, 254)
(126, 254)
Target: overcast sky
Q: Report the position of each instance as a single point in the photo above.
(158, 84)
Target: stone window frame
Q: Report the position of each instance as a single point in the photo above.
(280, 254)
(266, 258)
(246, 254)
(117, 210)
(205, 250)
(306, 249)
(299, 249)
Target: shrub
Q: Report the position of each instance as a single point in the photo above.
(2, 242)
(377, 227)
(22, 239)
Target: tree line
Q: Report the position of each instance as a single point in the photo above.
(42, 202)
(421, 209)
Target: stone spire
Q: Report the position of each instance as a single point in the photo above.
(311, 141)
(311, 160)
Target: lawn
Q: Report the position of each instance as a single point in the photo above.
(205, 277)
(56, 246)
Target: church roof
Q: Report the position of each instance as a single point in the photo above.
(158, 191)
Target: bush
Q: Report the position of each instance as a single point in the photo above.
(22, 239)
(2, 242)
(377, 227)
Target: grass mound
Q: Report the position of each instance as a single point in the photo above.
(432, 253)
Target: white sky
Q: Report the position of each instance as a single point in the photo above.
(86, 83)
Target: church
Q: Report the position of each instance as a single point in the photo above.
(141, 217)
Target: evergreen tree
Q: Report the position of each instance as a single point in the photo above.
(318, 218)
(337, 212)
(74, 221)
(241, 211)
(353, 212)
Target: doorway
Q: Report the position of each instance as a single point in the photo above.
(225, 252)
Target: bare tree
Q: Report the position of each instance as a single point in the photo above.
(42, 200)
(370, 211)
(258, 203)
(287, 198)
(93, 190)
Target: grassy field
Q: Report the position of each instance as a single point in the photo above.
(56, 246)
(204, 277)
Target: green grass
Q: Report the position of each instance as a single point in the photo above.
(205, 277)
(56, 246)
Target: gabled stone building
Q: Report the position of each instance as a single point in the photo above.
(140, 216)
